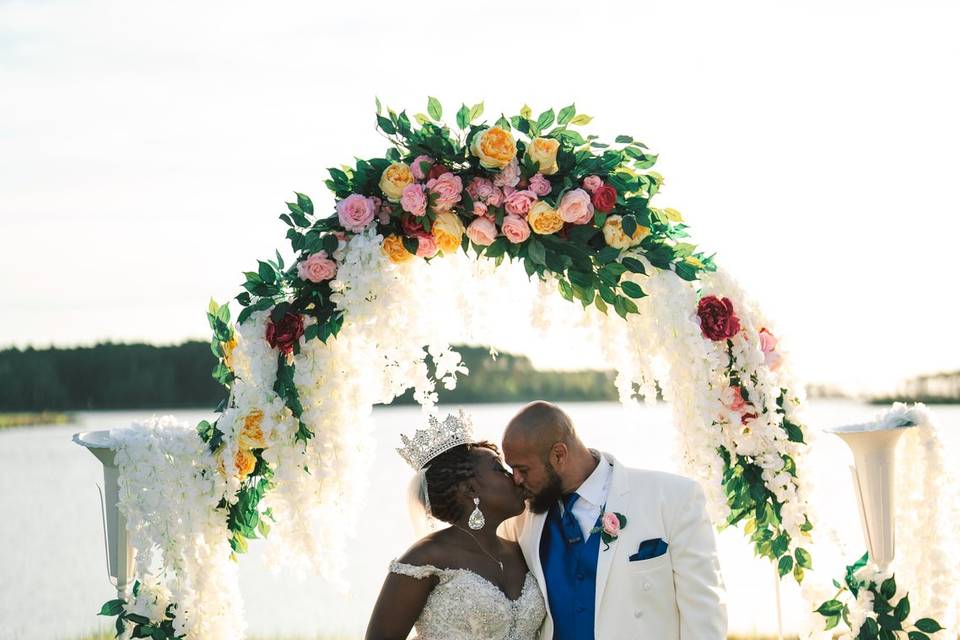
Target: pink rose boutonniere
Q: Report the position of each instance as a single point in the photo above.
(611, 523)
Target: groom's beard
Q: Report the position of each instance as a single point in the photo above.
(541, 502)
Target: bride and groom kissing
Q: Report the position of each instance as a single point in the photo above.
(566, 544)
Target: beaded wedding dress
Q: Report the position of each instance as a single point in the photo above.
(466, 606)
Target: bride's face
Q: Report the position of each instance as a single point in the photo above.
(495, 486)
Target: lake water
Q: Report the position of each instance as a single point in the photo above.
(51, 545)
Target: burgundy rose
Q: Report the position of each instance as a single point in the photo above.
(436, 171)
(284, 334)
(717, 319)
(605, 198)
(410, 225)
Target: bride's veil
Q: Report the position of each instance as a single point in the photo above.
(418, 505)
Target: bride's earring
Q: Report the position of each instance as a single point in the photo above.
(476, 520)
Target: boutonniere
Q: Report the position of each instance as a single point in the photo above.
(609, 528)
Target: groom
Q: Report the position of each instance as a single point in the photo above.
(618, 552)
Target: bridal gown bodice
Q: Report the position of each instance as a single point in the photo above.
(466, 606)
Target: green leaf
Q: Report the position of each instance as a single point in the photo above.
(537, 252)
(434, 108)
(545, 119)
(928, 625)
(629, 224)
(305, 203)
(828, 608)
(112, 608)
(623, 139)
(889, 588)
(266, 272)
(463, 117)
(794, 433)
(476, 111)
(632, 289)
(386, 125)
(566, 115)
(871, 627)
(600, 304)
(903, 609)
(803, 558)
(581, 119)
(785, 566)
(633, 265)
(916, 635)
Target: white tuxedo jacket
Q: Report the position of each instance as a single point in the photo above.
(676, 596)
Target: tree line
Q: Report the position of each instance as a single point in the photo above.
(143, 376)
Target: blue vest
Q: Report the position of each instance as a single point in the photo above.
(570, 570)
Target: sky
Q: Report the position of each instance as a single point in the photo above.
(146, 149)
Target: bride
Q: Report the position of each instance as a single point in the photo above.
(462, 582)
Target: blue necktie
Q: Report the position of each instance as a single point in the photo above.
(571, 528)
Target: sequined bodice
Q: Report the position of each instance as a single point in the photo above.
(466, 606)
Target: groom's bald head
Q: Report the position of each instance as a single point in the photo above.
(540, 425)
(547, 457)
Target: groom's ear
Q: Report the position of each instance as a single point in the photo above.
(558, 455)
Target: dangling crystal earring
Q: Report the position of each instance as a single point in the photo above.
(476, 520)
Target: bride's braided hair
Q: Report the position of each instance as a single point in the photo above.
(446, 472)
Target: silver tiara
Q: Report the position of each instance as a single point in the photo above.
(427, 444)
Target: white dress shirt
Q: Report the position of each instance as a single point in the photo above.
(593, 495)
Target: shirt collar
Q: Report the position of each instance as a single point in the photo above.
(594, 488)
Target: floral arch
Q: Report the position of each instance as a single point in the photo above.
(421, 245)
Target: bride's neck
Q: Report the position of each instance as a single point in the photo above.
(486, 535)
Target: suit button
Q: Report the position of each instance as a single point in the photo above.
(638, 614)
(646, 586)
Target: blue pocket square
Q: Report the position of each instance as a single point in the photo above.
(649, 549)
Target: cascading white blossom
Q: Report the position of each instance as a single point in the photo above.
(169, 490)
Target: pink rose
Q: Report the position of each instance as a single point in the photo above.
(479, 209)
(515, 229)
(611, 524)
(447, 187)
(509, 176)
(518, 202)
(495, 199)
(413, 200)
(540, 185)
(417, 166)
(575, 207)
(426, 245)
(592, 183)
(317, 268)
(355, 212)
(482, 232)
(480, 189)
(733, 399)
(768, 342)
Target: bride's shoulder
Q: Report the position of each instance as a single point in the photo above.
(431, 550)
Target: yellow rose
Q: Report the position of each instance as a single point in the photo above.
(616, 238)
(393, 248)
(495, 148)
(544, 151)
(448, 232)
(544, 219)
(394, 179)
(694, 262)
(251, 436)
(244, 462)
(228, 348)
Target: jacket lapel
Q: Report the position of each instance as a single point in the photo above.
(532, 534)
(618, 501)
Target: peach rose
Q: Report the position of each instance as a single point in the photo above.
(479, 209)
(244, 462)
(544, 152)
(394, 250)
(448, 232)
(515, 229)
(482, 232)
(251, 435)
(575, 207)
(317, 268)
(426, 245)
(447, 187)
(480, 188)
(495, 147)
(615, 237)
(544, 219)
(394, 179)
